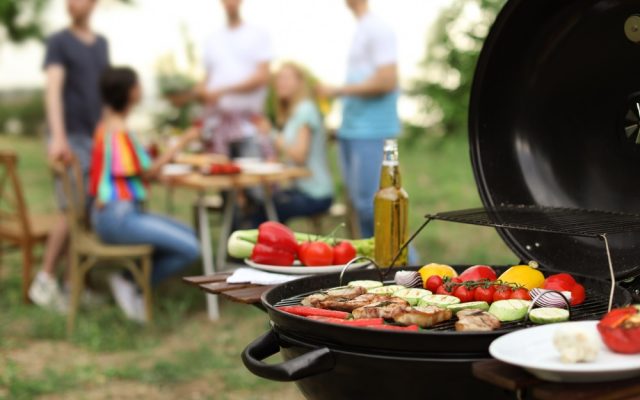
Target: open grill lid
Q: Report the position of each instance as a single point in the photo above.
(554, 121)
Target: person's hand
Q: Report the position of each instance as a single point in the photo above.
(327, 91)
(193, 133)
(211, 98)
(59, 150)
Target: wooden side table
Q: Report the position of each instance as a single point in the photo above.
(245, 293)
(526, 386)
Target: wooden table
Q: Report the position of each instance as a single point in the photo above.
(526, 386)
(232, 185)
(216, 284)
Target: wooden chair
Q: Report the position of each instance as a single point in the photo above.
(87, 251)
(18, 228)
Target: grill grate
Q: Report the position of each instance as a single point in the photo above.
(592, 309)
(568, 221)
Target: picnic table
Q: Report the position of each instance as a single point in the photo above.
(216, 284)
(231, 185)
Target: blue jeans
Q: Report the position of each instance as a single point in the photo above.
(361, 161)
(125, 223)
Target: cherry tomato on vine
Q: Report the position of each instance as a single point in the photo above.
(484, 293)
(502, 293)
(521, 294)
(433, 283)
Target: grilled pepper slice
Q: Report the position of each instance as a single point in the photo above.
(305, 311)
(350, 322)
(620, 330)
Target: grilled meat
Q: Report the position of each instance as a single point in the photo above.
(473, 320)
(388, 308)
(424, 317)
(334, 297)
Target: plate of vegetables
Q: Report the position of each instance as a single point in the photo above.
(567, 352)
(273, 247)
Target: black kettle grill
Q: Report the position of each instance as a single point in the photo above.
(554, 125)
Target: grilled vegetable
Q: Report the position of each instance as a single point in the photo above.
(433, 283)
(464, 293)
(305, 311)
(565, 282)
(520, 294)
(478, 272)
(408, 279)
(550, 299)
(437, 269)
(620, 330)
(350, 322)
(477, 305)
(413, 296)
(388, 290)
(438, 300)
(395, 327)
(548, 315)
(365, 284)
(523, 275)
(509, 310)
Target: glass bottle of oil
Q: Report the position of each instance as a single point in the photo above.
(391, 207)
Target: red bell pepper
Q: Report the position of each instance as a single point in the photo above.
(620, 330)
(276, 245)
(305, 311)
(395, 327)
(477, 273)
(565, 282)
(350, 322)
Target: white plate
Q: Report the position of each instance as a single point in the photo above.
(533, 350)
(262, 168)
(176, 169)
(298, 269)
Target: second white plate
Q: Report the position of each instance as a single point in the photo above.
(298, 269)
(533, 350)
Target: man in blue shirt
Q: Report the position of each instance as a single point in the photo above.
(369, 109)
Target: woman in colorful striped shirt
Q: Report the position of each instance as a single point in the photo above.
(119, 168)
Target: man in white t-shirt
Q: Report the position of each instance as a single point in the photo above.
(237, 58)
(369, 112)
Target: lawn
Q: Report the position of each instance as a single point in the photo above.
(184, 355)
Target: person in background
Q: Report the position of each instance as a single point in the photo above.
(237, 58)
(369, 113)
(75, 58)
(119, 168)
(301, 142)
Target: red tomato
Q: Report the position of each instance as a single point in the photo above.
(502, 293)
(343, 252)
(478, 272)
(433, 283)
(463, 293)
(520, 294)
(484, 293)
(577, 294)
(562, 280)
(216, 169)
(301, 251)
(442, 289)
(317, 254)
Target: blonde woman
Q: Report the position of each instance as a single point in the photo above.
(301, 140)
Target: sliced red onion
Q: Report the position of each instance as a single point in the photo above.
(553, 299)
(408, 279)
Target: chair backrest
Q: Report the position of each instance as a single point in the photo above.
(71, 178)
(13, 207)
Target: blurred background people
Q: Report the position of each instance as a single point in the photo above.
(75, 58)
(369, 114)
(301, 141)
(236, 58)
(119, 169)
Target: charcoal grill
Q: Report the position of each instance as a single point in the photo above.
(553, 132)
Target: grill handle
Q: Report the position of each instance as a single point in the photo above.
(312, 363)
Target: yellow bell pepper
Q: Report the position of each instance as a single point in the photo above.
(523, 275)
(437, 269)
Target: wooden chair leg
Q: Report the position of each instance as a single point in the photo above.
(146, 287)
(77, 286)
(27, 266)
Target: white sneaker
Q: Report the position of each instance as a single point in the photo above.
(127, 297)
(45, 292)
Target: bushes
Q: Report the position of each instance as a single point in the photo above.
(22, 112)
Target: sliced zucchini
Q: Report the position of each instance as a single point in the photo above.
(386, 290)
(548, 315)
(413, 296)
(365, 284)
(479, 305)
(509, 310)
(440, 300)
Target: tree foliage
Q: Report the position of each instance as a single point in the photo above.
(443, 89)
(22, 20)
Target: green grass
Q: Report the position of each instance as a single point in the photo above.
(182, 348)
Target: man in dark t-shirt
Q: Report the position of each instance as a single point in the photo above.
(75, 59)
